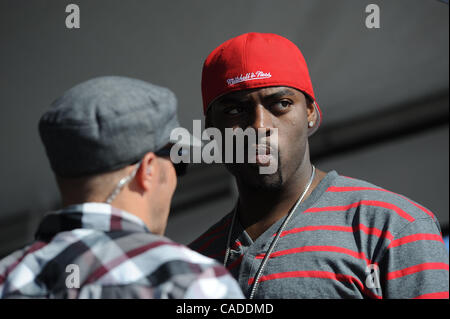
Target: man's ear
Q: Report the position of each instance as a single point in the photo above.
(311, 110)
(145, 176)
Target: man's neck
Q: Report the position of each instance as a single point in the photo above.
(132, 205)
(260, 209)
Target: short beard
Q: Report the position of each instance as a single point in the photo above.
(245, 176)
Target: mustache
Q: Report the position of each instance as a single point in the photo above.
(263, 148)
(264, 145)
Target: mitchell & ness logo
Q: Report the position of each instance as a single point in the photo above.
(258, 75)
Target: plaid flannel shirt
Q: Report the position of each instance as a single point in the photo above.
(94, 250)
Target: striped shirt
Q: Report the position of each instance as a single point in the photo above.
(348, 239)
(94, 250)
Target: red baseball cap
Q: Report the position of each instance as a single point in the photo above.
(255, 60)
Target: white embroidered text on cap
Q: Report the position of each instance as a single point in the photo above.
(258, 75)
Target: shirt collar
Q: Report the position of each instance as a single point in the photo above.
(98, 216)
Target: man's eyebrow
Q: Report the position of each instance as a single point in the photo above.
(244, 100)
(279, 94)
(232, 100)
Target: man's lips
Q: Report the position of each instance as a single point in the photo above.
(263, 154)
(262, 149)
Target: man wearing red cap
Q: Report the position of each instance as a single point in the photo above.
(301, 232)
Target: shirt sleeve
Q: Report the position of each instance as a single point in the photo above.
(415, 264)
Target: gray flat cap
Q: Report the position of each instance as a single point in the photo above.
(105, 124)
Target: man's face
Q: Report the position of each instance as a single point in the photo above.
(283, 108)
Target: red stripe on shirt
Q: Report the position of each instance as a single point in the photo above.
(236, 244)
(235, 263)
(213, 231)
(341, 250)
(416, 268)
(376, 203)
(433, 295)
(339, 189)
(209, 242)
(413, 238)
(222, 253)
(317, 274)
(352, 189)
(368, 230)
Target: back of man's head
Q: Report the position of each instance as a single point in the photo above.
(105, 124)
(105, 131)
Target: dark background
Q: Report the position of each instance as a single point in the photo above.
(383, 92)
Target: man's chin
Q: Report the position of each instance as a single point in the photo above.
(249, 175)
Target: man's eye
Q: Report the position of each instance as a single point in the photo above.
(234, 110)
(282, 104)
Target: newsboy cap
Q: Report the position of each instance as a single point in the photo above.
(106, 123)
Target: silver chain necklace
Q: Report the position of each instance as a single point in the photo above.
(274, 241)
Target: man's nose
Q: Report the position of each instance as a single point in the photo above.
(262, 120)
